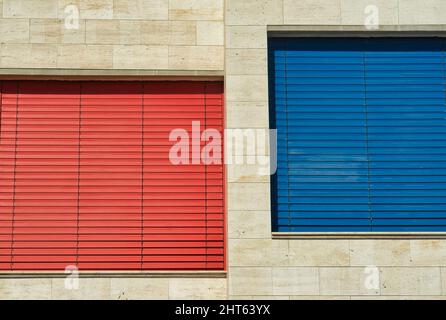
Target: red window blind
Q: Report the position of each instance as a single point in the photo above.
(86, 178)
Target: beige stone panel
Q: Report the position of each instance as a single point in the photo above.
(89, 289)
(247, 173)
(245, 88)
(30, 8)
(139, 288)
(141, 9)
(85, 56)
(443, 281)
(183, 33)
(140, 57)
(428, 252)
(341, 281)
(1, 8)
(155, 32)
(246, 62)
(89, 9)
(257, 252)
(25, 289)
(196, 9)
(410, 281)
(312, 12)
(320, 297)
(193, 289)
(295, 281)
(54, 31)
(422, 12)
(113, 32)
(249, 225)
(247, 115)
(318, 253)
(248, 196)
(380, 252)
(254, 37)
(14, 30)
(353, 12)
(29, 56)
(210, 33)
(250, 146)
(250, 281)
(196, 58)
(254, 12)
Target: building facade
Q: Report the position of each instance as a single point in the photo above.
(321, 69)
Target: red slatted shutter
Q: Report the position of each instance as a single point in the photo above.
(86, 178)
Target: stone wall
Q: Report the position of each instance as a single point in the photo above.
(113, 34)
(263, 267)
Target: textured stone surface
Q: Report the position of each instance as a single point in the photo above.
(246, 61)
(344, 281)
(14, 30)
(89, 289)
(29, 56)
(312, 12)
(380, 252)
(30, 9)
(211, 289)
(54, 31)
(410, 281)
(295, 281)
(140, 57)
(426, 12)
(254, 12)
(253, 37)
(141, 9)
(247, 281)
(196, 9)
(25, 289)
(138, 289)
(249, 224)
(196, 58)
(210, 33)
(318, 253)
(353, 12)
(428, 252)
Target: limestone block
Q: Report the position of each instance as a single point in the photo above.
(410, 281)
(89, 289)
(422, 12)
(257, 252)
(196, 9)
(155, 32)
(345, 281)
(254, 12)
(353, 12)
(140, 57)
(209, 289)
(29, 56)
(247, 114)
(312, 12)
(29, 9)
(295, 281)
(85, 56)
(210, 33)
(54, 31)
(139, 288)
(318, 253)
(247, 173)
(254, 37)
(141, 9)
(89, 9)
(183, 33)
(250, 281)
(249, 224)
(243, 88)
(113, 32)
(196, 58)
(428, 252)
(249, 196)
(380, 252)
(14, 30)
(246, 62)
(25, 289)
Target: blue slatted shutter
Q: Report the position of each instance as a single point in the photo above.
(361, 144)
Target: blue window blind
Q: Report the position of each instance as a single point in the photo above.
(361, 127)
